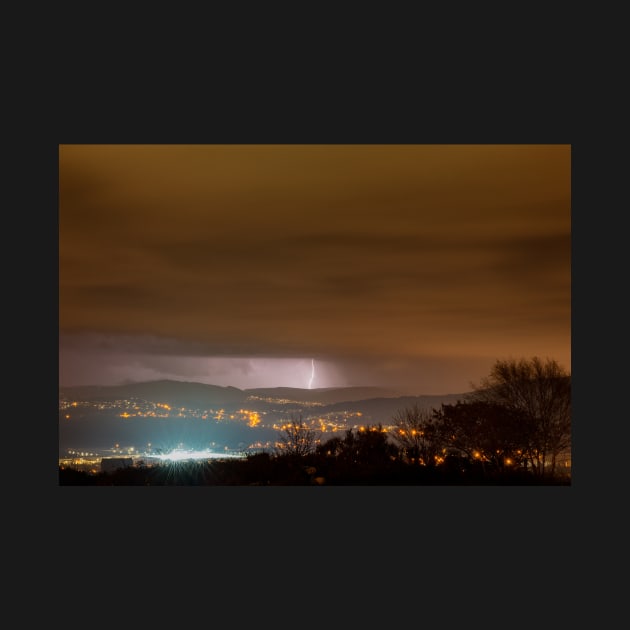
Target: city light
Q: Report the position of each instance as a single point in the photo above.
(178, 454)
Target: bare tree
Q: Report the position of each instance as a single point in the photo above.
(540, 391)
(417, 436)
(491, 434)
(297, 438)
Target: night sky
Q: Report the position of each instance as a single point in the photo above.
(408, 266)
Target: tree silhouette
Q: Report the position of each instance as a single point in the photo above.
(417, 435)
(370, 446)
(540, 393)
(492, 435)
(366, 445)
(296, 438)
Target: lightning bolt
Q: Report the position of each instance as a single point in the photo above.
(310, 383)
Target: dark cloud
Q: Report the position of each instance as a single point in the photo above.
(543, 258)
(359, 254)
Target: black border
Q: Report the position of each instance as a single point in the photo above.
(473, 529)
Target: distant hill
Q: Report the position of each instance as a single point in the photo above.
(174, 392)
(384, 409)
(325, 396)
(102, 420)
(201, 395)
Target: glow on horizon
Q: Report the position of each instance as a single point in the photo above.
(100, 366)
(178, 455)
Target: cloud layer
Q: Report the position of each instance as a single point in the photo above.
(369, 255)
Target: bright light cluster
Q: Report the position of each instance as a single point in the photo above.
(178, 454)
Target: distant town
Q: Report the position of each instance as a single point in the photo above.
(171, 432)
(327, 422)
(248, 430)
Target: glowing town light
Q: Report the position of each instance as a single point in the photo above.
(310, 383)
(179, 454)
